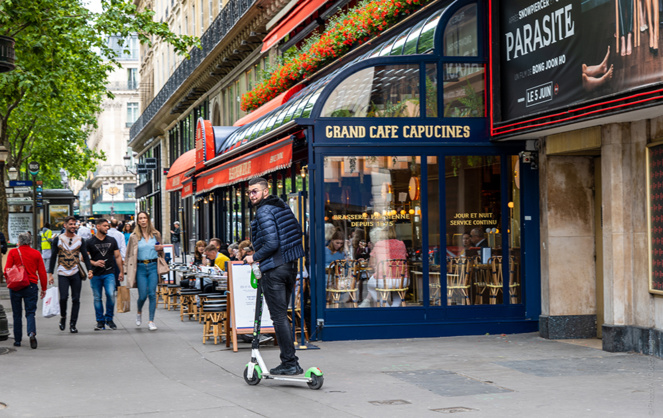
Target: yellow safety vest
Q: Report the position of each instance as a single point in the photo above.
(45, 236)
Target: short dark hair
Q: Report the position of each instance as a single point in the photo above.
(101, 221)
(69, 218)
(47, 225)
(259, 181)
(114, 223)
(211, 247)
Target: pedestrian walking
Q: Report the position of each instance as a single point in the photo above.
(71, 265)
(84, 231)
(33, 264)
(105, 257)
(175, 238)
(127, 229)
(46, 238)
(277, 241)
(122, 245)
(3, 249)
(143, 251)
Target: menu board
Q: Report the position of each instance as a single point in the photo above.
(655, 216)
(243, 303)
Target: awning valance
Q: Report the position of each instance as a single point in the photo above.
(294, 19)
(184, 163)
(187, 187)
(267, 159)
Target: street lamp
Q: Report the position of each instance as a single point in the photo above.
(64, 178)
(13, 173)
(129, 162)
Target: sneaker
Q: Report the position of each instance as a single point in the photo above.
(138, 320)
(282, 369)
(152, 326)
(17, 343)
(100, 326)
(33, 340)
(111, 324)
(265, 338)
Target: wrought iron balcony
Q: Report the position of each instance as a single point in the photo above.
(221, 26)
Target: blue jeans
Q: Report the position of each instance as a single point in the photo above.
(29, 296)
(107, 283)
(147, 279)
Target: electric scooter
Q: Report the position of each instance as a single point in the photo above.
(256, 369)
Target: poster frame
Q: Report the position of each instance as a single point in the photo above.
(650, 260)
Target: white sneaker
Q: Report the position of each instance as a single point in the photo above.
(138, 320)
(152, 326)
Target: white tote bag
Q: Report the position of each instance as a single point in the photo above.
(51, 306)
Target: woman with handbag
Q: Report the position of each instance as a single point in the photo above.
(144, 263)
(33, 267)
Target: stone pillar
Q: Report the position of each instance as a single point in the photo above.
(567, 247)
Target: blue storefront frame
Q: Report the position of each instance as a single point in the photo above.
(421, 321)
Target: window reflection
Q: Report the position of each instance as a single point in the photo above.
(385, 91)
(464, 89)
(460, 34)
(372, 231)
(474, 257)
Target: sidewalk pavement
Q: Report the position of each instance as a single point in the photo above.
(170, 373)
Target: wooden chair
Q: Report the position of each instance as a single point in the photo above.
(214, 312)
(162, 295)
(514, 280)
(458, 280)
(295, 314)
(480, 278)
(496, 284)
(342, 279)
(188, 304)
(173, 296)
(391, 277)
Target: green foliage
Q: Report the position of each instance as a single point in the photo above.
(49, 103)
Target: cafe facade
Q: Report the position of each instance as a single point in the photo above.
(389, 151)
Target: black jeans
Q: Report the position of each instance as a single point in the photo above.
(277, 286)
(64, 282)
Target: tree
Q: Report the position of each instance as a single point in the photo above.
(49, 103)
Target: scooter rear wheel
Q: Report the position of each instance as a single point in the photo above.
(254, 380)
(316, 382)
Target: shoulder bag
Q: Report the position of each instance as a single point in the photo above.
(17, 276)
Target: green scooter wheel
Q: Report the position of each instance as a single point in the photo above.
(316, 382)
(254, 380)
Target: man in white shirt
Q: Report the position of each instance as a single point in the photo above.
(121, 243)
(84, 232)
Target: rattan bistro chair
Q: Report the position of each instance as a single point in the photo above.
(342, 279)
(458, 281)
(496, 284)
(391, 277)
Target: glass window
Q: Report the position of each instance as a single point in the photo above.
(464, 90)
(380, 91)
(397, 49)
(132, 113)
(514, 269)
(412, 40)
(427, 38)
(473, 220)
(460, 35)
(386, 48)
(431, 90)
(372, 231)
(435, 260)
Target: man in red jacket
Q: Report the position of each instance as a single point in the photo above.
(34, 266)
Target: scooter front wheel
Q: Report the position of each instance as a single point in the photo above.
(254, 380)
(316, 382)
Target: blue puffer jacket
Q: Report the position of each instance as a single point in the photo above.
(276, 234)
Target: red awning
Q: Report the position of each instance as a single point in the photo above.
(187, 190)
(269, 106)
(293, 19)
(267, 159)
(184, 163)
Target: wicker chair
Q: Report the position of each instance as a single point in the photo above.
(391, 277)
(458, 280)
(342, 279)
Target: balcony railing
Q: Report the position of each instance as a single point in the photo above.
(122, 85)
(223, 23)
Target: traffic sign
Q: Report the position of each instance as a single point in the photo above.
(19, 190)
(20, 183)
(38, 188)
(33, 168)
(19, 201)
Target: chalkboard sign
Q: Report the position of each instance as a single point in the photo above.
(655, 216)
(243, 303)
